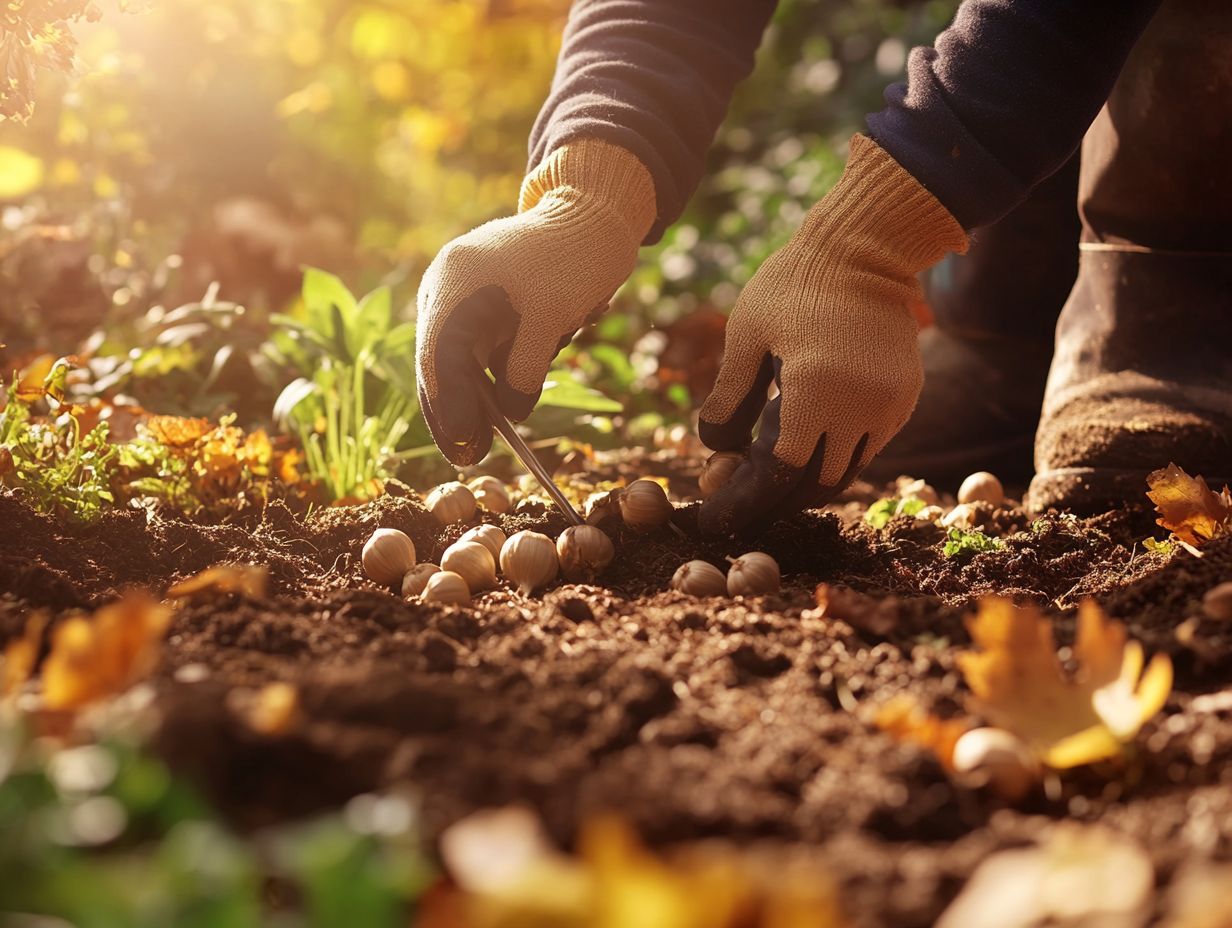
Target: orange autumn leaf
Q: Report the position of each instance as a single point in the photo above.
(103, 655)
(176, 431)
(247, 579)
(30, 383)
(1018, 683)
(274, 709)
(21, 655)
(1188, 508)
(905, 720)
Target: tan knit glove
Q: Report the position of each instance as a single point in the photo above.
(511, 293)
(827, 319)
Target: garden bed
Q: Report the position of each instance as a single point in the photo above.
(740, 719)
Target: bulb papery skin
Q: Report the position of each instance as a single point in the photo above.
(584, 552)
(416, 579)
(718, 469)
(644, 505)
(451, 502)
(447, 587)
(753, 574)
(699, 578)
(388, 555)
(491, 494)
(473, 562)
(489, 536)
(982, 487)
(529, 560)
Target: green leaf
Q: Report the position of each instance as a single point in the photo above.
(324, 293)
(563, 392)
(292, 395)
(375, 313)
(881, 512)
(967, 543)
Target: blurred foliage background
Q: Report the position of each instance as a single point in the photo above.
(235, 141)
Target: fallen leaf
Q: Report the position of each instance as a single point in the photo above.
(906, 720)
(509, 877)
(176, 431)
(30, 386)
(92, 658)
(248, 580)
(1018, 683)
(1188, 508)
(274, 709)
(21, 655)
(1078, 876)
(866, 613)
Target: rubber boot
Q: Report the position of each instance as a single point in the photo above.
(1142, 373)
(986, 357)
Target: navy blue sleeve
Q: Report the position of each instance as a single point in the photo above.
(1005, 96)
(656, 78)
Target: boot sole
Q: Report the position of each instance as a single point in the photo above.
(1087, 491)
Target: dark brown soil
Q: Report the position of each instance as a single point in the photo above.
(736, 718)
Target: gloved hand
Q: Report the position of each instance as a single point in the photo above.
(827, 319)
(511, 293)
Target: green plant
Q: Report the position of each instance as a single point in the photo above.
(969, 542)
(1159, 546)
(53, 464)
(881, 512)
(355, 399)
(103, 835)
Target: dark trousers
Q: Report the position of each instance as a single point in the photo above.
(1152, 177)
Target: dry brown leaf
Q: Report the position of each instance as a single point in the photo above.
(866, 613)
(92, 658)
(905, 720)
(248, 580)
(1188, 508)
(21, 655)
(1018, 683)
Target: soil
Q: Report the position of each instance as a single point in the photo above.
(744, 719)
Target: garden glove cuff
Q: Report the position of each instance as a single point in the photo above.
(827, 318)
(511, 293)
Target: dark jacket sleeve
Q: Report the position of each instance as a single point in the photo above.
(1005, 96)
(655, 77)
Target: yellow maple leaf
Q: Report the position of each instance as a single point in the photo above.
(92, 658)
(1188, 508)
(1018, 683)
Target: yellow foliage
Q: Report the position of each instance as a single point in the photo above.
(1018, 683)
(103, 655)
(247, 579)
(21, 173)
(1188, 508)
(616, 882)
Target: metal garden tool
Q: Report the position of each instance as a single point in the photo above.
(504, 428)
